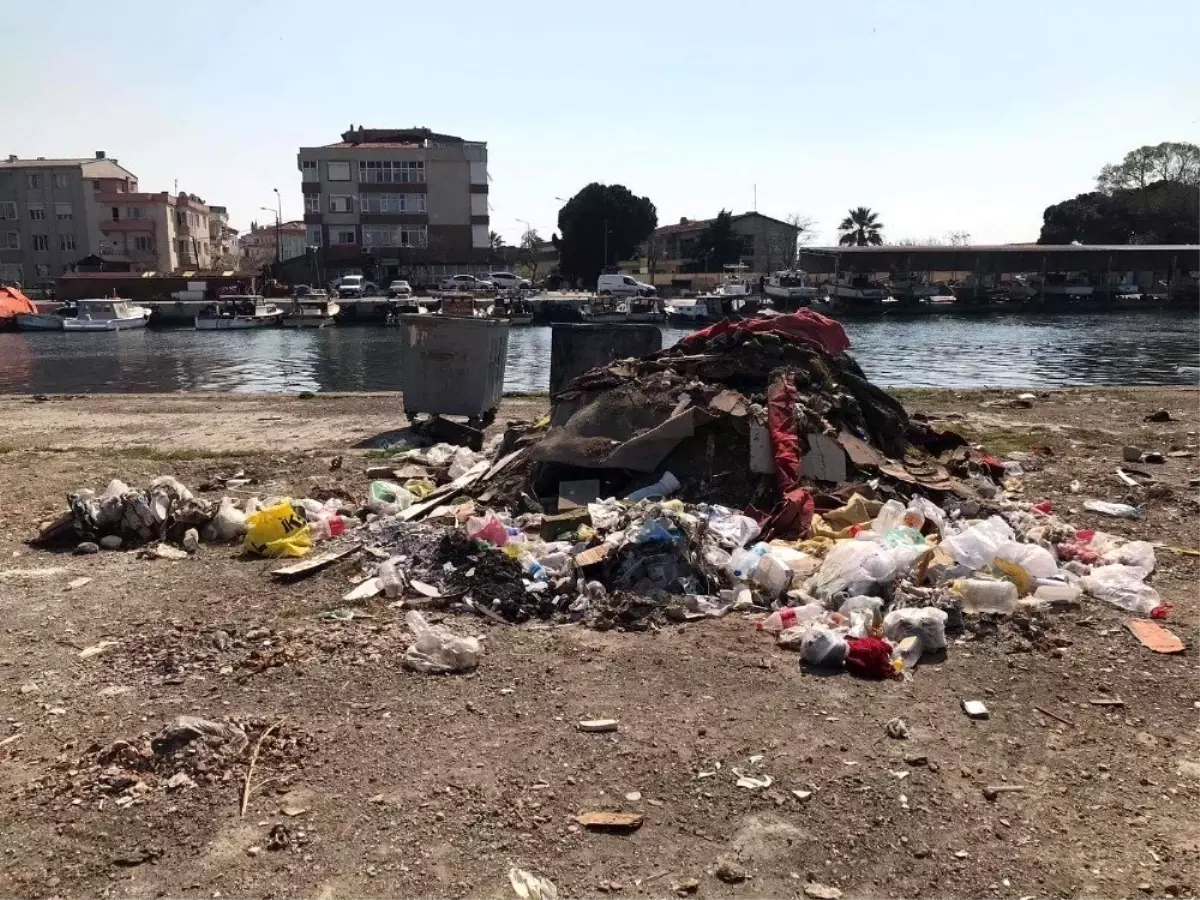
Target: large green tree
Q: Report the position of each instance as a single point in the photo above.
(861, 228)
(1165, 212)
(1169, 161)
(600, 225)
(717, 245)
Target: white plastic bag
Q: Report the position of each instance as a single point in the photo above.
(890, 516)
(1037, 561)
(843, 569)
(1119, 510)
(822, 647)
(926, 622)
(606, 515)
(229, 524)
(464, 458)
(873, 606)
(929, 512)
(1122, 586)
(1135, 553)
(734, 529)
(437, 649)
(975, 546)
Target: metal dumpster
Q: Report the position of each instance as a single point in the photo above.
(452, 366)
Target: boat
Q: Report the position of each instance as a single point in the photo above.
(645, 309)
(237, 312)
(48, 321)
(512, 309)
(855, 288)
(1055, 287)
(107, 314)
(559, 306)
(978, 290)
(687, 312)
(790, 290)
(310, 310)
(912, 289)
(14, 305)
(605, 309)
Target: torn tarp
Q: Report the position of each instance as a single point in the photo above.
(805, 326)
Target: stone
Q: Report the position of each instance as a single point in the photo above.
(1154, 457)
(1131, 454)
(819, 891)
(111, 542)
(86, 548)
(1159, 415)
(916, 759)
(686, 886)
(191, 540)
(730, 871)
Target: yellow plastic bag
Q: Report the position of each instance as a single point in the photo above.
(420, 487)
(278, 531)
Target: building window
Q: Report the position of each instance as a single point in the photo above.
(96, 186)
(308, 165)
(34, 182)
(42, 270)
(10, 240)
(312, 203)
(385, 171)
(341, 203)
(37, 212)
(60, 180)
(135, 212)
(63, 212)
(342, 236)
(41, 243)
(66, 242)
(337, 171)
(414, 235)
(143, 243)
(380, 236)
(391, 203)
(8, 209)
(314, 235)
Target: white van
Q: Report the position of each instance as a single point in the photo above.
(623, 286)
(350, 285)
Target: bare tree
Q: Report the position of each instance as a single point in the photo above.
(958, 238)
(1168, 161)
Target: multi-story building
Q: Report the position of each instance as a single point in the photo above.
(154, 232)
(399, 198)
(260, 245)
(222, 239)
(767, 244)
(48, 210)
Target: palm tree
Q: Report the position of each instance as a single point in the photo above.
(861, 229)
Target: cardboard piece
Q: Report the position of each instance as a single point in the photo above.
(611, 821)
(308, 566)
(1154, 636)
(825, 459)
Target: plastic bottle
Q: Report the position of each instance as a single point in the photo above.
(890, 516)
(389, 578)
(790, 616)
(906, 654)
(532, 567)
(1058, 592)
(327, 527)
(665, 486)
(980, 595)
(743, 564)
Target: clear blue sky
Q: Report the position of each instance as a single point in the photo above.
(942, 115)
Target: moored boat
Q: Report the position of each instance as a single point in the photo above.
(107, 314)
(790, 290)
(237, 313)
(311, 310)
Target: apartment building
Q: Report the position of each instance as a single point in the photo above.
(160, 232)
(767, 244)
(259, 246)
(399, 197)
(222, 239)
(48, 208)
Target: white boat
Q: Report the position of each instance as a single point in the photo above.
(645, 309)
(107, 314)
(311, 310)
(601, 309)
(912, 288)
(1057, 285)
(238, 312)
(790, 290)
(702, 310)
(52, 321)
(848, 286)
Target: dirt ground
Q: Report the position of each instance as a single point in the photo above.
(382, 782)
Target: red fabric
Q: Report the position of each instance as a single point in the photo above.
(803, 326)
(1162, 610)
(869, 657)
(1045, 507)
(781, 420)
(791, 519)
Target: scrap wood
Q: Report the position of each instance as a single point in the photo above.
(1107, 701)
(308, 566)
(465, 480)
(370, 588)
(253, 759)
(1057, 718)
(611, 821)
(1154, 636)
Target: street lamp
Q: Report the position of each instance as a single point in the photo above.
(278, 232)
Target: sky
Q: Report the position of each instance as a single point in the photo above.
(940, 115)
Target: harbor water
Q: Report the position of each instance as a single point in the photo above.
(1152, 347)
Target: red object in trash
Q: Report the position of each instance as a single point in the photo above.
(791, 518)
(781, 421)
(1162, 610)
(869, 657)
(1045, 507)
(803, 326)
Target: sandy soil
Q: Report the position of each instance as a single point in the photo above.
(389, 783)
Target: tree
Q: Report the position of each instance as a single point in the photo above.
(600, 224)
(1166, 212)
(717, 245)
(530, 242)
(495, 241)
(1168, 161)
(861, 228)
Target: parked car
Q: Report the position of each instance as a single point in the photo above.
(507, 281)
(466, 283)
(350, 285)
(623, 286)
(399, 288)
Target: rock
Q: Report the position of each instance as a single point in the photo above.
(896, 728)
(1159, 415)
(30, 687)
(191, 540)
(916, 759)
(111, 542)
(86, 548)
(598, 726)
(1154, 457)
(1131, 454)
(633, 796)
(686, 886)
(179, 780)
(819, 891)
(730, 872)
(164, 551)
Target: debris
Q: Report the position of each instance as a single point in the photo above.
(1107, 701)
(293, 811)
(306, 568)
(137, 857)
(1154, 636)
(250, 769)
(633, 796)
(577, 494)
(611, 821)
(916, 759)
(191, 541)
(686, 886)
(372, 587)
(1159, 415)
(86, 548)
(76, 583)
(730, 871)
(992, 791)
(801, 795)
(1054, 716)
(279, 838)
(896, 728)
(1120, 510)
(975, 709)
(752, 783)
(528, 886)
(96, 649)
(597, 726)
(819, 891)
(162, 551)
(111, 542)
(438, 650)
(180, 780)
(1131, 454)
(1154, 457)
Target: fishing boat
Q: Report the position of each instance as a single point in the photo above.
(978, 290)
(645, 309)
(851, 287)
(107, 314)
(911, 289)
(687, 312)
(512, 309)
(311, 310)
(239, 312)
(605, 309)
(48, 321)
(790, 290)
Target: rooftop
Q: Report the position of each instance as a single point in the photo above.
(700, 224)
(374, 145)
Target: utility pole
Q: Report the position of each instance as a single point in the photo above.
(278, 226)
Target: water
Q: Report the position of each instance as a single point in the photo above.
(1133, 348)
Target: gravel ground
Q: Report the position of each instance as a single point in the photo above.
(381, 782)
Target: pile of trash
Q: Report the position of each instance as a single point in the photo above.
(191, 753)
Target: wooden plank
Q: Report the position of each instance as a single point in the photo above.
(314, 564)
(435, 499)
(611, 821)
(1154, 636)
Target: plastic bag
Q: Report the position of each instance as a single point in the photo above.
(464, 458)
(822, 647)
(276, 531)
(605, 514)
(420, 487)
(386, 498)
(1120, 510)
(229, 524)
(975, 547)
(489, 528)
(437, 649)
(929, 512)
(734, 529)
(791, 616)
(891, 516)
(1135, 553)
(926, 622)
(843, 569)
(873, 606)
(1037, 561)
(1122, 586)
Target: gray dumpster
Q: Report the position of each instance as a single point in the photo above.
(452, 366)
(576, 348)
